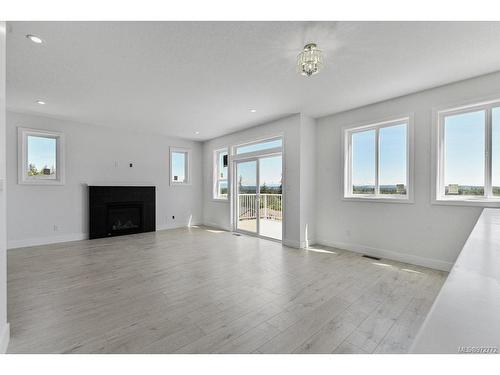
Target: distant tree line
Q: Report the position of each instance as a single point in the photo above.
(467, 190)
(394, 189)
(384, 189)
(45, 171)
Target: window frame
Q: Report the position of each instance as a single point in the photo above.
(347, 133)
(216, 174)
(438, 194)
(266, 151)
(22, 159)
(187, 166)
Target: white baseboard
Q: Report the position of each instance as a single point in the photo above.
(389, 254)
(291, 243)
(173, 226)
(15, 244)
(285, 242)
(217, 226)
(4, 338)
(295, 244)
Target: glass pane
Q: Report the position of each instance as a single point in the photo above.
(495, 151)
(393, 155)
(363, 162)
(222, 193)
(42, 157)
(246, 185)
(464, 153)
(271, 204)
(178, 166)
(260, 146)
(222, 168)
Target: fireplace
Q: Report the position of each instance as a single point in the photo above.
(120, 210)
(124, 218)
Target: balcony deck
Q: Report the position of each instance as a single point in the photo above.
(268, 228)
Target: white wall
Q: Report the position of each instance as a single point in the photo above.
(420, 233)
(218, 214)
(307, 180)
(4, 327)
(91, 152)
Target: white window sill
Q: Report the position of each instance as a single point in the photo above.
(41, 182)
(180, 184)
(477, 202)
(378, 199)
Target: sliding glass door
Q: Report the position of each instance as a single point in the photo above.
(258, 198)
(247, 196)
(270, 197)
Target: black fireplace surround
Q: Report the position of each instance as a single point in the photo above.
(120, 210)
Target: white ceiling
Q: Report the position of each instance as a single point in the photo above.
(176, 78)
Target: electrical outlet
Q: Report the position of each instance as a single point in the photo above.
(116, 164)
(56, 228)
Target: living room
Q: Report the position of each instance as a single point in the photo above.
(249, 187)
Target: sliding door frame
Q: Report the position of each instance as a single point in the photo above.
(234, 160)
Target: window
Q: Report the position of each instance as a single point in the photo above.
(40, 157)
(469, 154)
(495, 151)
(220, 174)
(377, 161)
(268, 144)
(179, 166)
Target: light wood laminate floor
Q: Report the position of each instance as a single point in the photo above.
(201, 290)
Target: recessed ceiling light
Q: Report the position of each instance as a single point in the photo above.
(40, 102)
(34, 38)
(197, 132)
(253, 110)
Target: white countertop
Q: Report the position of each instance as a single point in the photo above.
(466, 312)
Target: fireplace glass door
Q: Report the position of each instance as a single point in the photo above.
(124, 219)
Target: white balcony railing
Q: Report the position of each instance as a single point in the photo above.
(271, 206)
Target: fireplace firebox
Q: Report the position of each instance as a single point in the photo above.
(120, 210)
(124, 218)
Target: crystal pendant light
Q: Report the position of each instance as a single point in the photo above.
(310, 60)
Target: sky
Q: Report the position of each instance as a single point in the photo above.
(392, 156)
(42, 152)
(178, 165)
(259, 146)
(466, 132)
(463, 132)
(270, 171)
(270, 167)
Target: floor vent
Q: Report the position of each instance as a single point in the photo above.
(370, 257)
